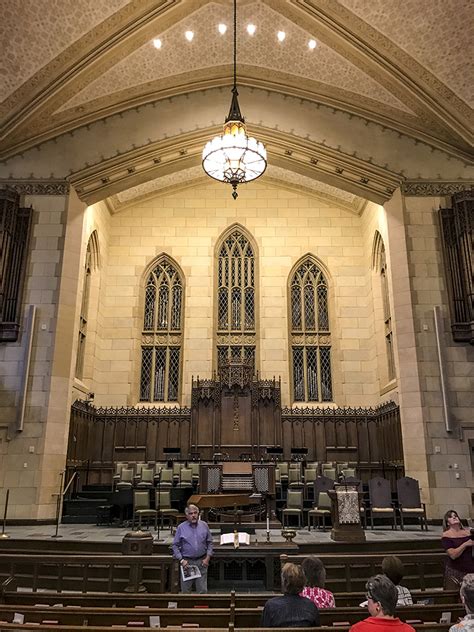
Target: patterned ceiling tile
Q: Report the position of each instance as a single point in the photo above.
(177, 178)
(33, 32)
(194, 173)
(420, 28)
(209, 48)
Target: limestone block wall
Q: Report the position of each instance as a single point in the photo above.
(447, 453)
(187, 226)
(31, 460)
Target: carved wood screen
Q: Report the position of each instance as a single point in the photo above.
(98, 437)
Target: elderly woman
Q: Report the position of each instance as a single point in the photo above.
(457, 543)
(392, 567)
(381, 602)
(315, 574)
(290, 610)
(467, 597)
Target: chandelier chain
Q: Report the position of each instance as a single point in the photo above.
(235, 44)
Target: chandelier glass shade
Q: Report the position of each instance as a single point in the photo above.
(233, 157)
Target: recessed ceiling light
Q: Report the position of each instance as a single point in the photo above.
(281, 36)
(189, 35)
(251, 28)
(222, 28)
(157, 43)
(312, 44)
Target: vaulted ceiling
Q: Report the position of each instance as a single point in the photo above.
(384, 97)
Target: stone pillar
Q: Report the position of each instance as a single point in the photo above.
(33, 459)
(437, 458)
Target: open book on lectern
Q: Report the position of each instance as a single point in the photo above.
(230, 538)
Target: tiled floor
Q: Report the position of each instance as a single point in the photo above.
(92, 533)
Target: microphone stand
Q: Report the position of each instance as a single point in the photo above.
(158, 497)
(5, 536)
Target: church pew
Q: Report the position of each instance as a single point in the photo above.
(103, 617)
(349, 572)
(213, 600)
(208, 617)
(110, 573)
(86, 573)
(251, 617)
(6, 627)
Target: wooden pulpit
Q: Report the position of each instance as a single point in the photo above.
(345, 513)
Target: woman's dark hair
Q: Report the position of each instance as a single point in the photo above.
(447, 515)
(467, 592)
(392, 567)
(293, 579)
(384, 592)
(315, 572)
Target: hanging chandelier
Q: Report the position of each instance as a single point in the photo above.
(233, 157)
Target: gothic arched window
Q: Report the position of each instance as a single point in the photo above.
(387, 316)
(236, 291)
(309, 334)
(91, 263)
(162, 336)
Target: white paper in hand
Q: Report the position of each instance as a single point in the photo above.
(190, 571)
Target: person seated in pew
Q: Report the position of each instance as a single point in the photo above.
(467, 597)
(457, 542)
(382, 599)
(315, 574)
(290, 610)
(392, 567)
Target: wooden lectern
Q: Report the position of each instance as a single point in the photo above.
(345, 514)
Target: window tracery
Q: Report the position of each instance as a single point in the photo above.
(162, 335)
(309, 334)
(236, 288)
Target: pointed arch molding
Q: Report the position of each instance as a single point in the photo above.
(377, 247)
(26, 112)
(317, 161)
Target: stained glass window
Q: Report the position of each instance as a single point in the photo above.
(236, 288)
(310, 335)
(160, 376)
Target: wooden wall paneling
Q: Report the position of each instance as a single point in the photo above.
(373, 435)
(320, 440)
(108, 442)
(141, 437)
(152, 438)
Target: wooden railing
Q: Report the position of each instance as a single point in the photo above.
(87, 573)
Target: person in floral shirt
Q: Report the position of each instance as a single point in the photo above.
(467, 597)
(315, 574)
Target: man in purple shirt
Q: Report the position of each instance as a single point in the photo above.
(192, 546)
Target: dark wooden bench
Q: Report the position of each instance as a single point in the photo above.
(206, 617)
(9, 595)
(348, 572)
(87, 573)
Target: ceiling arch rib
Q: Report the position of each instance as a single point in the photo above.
(84, 60)
(251, 77)
(123, 33)
(299, 131)
(367, 48)
(162, 159)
